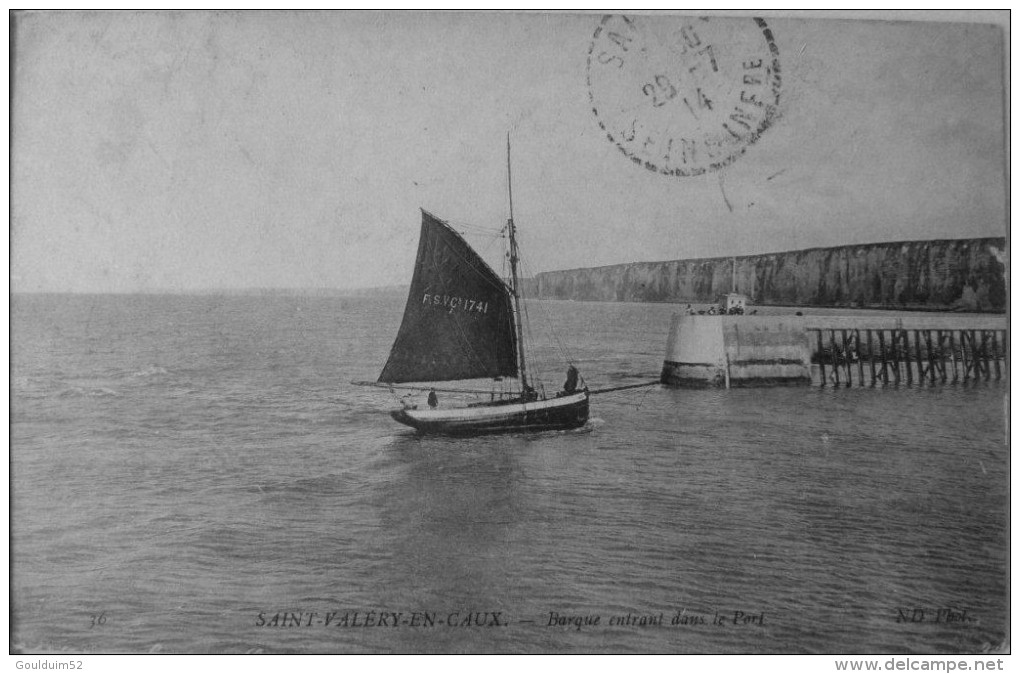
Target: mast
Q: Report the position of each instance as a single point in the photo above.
(515, 282)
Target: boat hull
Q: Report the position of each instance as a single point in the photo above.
(568, 411)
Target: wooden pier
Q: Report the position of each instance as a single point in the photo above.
(905, 350)
(914, 351)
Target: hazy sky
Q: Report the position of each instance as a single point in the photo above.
(199, 150)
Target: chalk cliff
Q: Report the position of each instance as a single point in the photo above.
(942, 275)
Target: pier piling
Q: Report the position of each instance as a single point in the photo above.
(821, 361)
(928, 352)
(995, 350)
(871, 359)
(951, 350)
(896, 338)
(881, 342)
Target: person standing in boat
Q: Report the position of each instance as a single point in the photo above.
(433, 399)
(570, 385)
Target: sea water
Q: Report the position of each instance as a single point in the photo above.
(197, 474)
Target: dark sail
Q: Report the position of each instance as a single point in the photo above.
(458, 322)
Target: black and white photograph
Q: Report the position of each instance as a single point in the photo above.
(505, 333)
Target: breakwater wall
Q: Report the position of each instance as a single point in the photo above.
(940, 275)
(735, 351)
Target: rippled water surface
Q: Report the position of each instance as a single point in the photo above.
(197, 474)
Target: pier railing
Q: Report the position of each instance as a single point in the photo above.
(923, 350)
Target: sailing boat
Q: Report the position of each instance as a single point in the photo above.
(463, 321)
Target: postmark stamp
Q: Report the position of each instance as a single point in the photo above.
(683, 96)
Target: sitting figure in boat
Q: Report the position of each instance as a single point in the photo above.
(433, 399)
(529, 394)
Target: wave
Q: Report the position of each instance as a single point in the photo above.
(152, 371)
(88, 392)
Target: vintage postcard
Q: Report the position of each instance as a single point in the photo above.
(510, 333)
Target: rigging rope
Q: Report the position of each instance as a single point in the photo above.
(483, 230)
(561, 345)
(564, 349)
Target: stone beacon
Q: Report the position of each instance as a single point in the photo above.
(737, 351)
(779, 350)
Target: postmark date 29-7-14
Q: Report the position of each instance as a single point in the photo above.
(683, 96)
